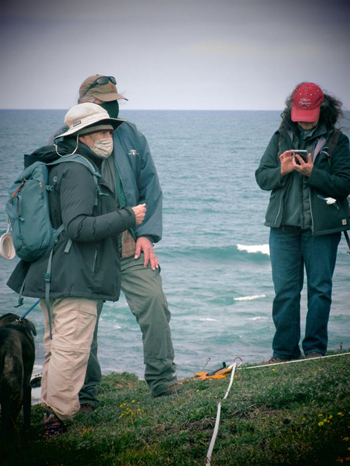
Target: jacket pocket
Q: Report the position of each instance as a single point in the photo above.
(274, 209)
(329, 215)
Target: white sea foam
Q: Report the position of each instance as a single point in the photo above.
(36, 395)
(254, 248)
(250, 298)
(208, 319)
(257, 318)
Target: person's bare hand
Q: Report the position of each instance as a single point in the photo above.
(287, 160)
(143, 245)
(140, 212)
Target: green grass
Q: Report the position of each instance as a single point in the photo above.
(292, 414)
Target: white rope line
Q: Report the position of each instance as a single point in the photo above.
(295, 361)
(218, 413)
(213, 438)
(234, 366)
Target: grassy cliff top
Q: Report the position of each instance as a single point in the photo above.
(291, 414)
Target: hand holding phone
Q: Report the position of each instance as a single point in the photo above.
(303, 154)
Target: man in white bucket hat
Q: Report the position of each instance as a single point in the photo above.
(85, 273)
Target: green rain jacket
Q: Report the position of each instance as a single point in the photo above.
(330, 178)
(139, 178)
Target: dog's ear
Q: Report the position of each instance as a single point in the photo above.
(7, 319)
(31, 326)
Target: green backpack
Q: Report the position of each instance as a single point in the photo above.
(28, 208)
(29, 216)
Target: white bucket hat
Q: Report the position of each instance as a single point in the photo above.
(83, 115)
(7, 249)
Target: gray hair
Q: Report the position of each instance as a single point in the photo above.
(87, 98)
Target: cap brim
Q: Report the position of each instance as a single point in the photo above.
(109, 97)
(308, 116)
(115, 122)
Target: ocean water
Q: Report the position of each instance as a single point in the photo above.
(214, 254)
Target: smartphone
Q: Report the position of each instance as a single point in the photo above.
(302, 153)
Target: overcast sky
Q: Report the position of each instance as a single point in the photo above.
(173, 54)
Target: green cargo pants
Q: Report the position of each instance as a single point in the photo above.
(143, 291)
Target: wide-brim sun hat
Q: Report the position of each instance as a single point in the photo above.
(106, 92)
(307, 101)
(82, 116)
(7, 249)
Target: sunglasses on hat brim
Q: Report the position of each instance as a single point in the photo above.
(100, 81)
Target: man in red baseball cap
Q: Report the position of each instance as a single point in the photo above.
(306, 166)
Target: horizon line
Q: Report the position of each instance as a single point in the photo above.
(164, 109)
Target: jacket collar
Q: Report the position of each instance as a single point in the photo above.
(319, 131)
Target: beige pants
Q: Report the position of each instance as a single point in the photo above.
(67, 354)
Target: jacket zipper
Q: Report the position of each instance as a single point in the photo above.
(279, 209)
(311, 214)
(95, 261)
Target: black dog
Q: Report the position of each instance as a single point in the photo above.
(17, 354)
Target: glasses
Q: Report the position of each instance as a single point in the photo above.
(101, 80)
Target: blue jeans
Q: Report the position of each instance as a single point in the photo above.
(292, 249)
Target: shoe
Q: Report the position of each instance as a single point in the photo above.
(313, 354)
(52, 425)
(86, 408)
(35, 381)
(172, 390)
(274, 360)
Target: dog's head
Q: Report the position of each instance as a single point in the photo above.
(12, 320)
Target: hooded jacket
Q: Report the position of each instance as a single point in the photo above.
(330, 178)
(91, 268)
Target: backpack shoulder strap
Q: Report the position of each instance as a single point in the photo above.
(77, 158)
(281, 139)
(333, 141)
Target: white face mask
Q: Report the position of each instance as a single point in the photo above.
(103, 147)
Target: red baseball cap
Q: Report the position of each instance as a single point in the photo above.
(307, 100)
